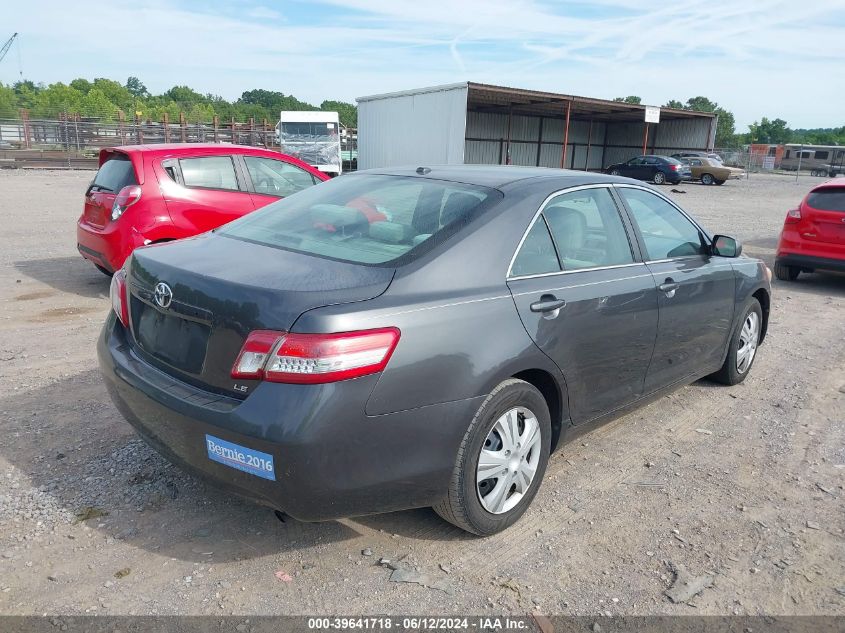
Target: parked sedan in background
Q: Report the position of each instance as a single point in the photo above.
(813, 235)
(711, 155)
(328, 363)
(711, 172)
(145, 194)
(656, 169)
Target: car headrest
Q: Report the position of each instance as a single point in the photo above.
(391, 232)
(569, 227)
(457, 206)
(336, 216)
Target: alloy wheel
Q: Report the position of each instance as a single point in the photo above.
(508, 460)
(748, 339)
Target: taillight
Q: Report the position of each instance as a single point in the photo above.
(314, 358)
(674, 167)
(119, 298)
(793, 216)
(126, 197)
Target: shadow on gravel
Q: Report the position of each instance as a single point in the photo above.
(74, 454)
(67, 274)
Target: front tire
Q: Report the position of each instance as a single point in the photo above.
(742, 349)
(659, 178)
(786, 273)
(501, 460)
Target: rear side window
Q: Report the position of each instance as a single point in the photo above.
(827, 200)
(116, 173)
(537, 254)
(820, 155)
(209, 172)
(276, 177)
(366, 219)
(588, 230)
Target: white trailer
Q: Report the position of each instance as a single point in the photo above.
(312, 137)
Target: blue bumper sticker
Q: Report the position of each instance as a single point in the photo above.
(239, 457)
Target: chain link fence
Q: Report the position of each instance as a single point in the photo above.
(72, 141)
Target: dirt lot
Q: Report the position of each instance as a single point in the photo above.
(743, 484)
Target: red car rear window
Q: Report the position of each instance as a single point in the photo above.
(116, 173)
(827, 199)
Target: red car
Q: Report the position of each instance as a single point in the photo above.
(143, 194)
(813, 235)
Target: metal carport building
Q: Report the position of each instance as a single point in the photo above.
(476, 123)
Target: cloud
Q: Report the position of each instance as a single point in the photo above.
(757, 58)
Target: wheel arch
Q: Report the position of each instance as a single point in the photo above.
(554, 395)
(762, 295)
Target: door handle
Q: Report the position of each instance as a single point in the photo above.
(669, 287)
(547, 303)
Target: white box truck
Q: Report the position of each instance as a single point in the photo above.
(312, 137)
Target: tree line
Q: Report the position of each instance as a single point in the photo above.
(773, 131)
(105, 98)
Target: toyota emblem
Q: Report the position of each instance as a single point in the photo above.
(163, 295)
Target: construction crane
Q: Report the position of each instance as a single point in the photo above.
(7, 46)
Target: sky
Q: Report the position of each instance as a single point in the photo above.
(774, 58)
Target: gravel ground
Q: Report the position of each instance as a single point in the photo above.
(742, 488)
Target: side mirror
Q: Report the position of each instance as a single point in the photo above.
(726, 246)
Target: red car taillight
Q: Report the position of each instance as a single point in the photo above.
(119, 298)
(675, 167)
(793, 216)
(127, 196)
(314, 358)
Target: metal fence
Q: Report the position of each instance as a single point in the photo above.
(72, 141)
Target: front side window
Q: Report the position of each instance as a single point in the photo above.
(209, 172)
(276, 177)
(667, 232)
(367, 219)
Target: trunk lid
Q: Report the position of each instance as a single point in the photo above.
(116, 172)
(223, 288)
(823, 215)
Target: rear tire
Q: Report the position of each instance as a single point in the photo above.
(474, 505)
(614, 172)
(659, 178)
(742, 349)
(786, 273)
(707, 179)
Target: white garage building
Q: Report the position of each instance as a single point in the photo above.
(472, 123)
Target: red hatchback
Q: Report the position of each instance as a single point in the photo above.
(143, 194)
(813, 235)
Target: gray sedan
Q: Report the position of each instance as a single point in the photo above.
(395, 339)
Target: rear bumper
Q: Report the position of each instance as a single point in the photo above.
(810, 262)
(108, 247)
(331, 459)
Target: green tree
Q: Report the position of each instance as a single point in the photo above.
(766, 131)
(136, 88)
(726, 126)
(8, 102)
(347, 112)
(83, 85)
(97, 104)
(632, 99)
(54, 100)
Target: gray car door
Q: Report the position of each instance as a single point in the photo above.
(586, 299)
(696, 290)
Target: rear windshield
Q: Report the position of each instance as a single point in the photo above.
(827, 199)
(366, 219)
(116, 173)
